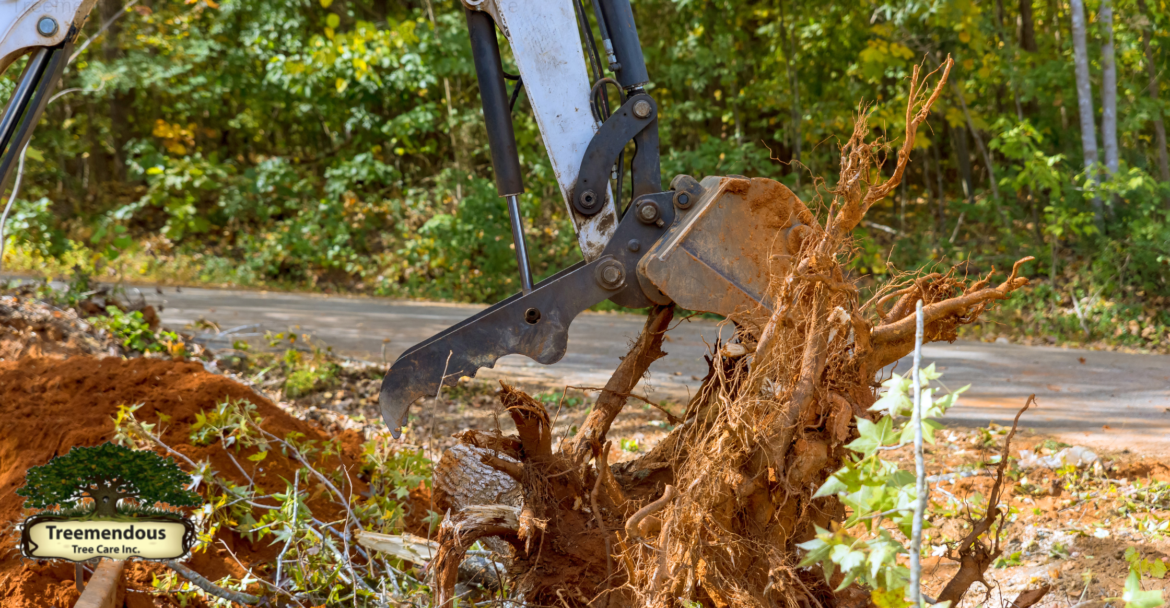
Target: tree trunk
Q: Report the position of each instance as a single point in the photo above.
(940, 214)
(1109, 90)
(795, 113)
(995, 206)
(119, 125)
(1034, 204)
(105, 499)
(1027, 33)
(929, 187)
(979, 144)
(1085, 96)
(1152, 71)
(1052, 22)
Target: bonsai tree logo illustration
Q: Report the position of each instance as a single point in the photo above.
(107, 474)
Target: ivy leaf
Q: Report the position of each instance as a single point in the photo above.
(889, 598)
(817, 549)
(944, 403)
(894, 400)
(832, 486)
(902, 479)
(928, 428)
(929, 373)
(847, 558)
(872, 435)
(1134, 597)
(880, 554)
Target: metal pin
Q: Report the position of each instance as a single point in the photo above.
(47, 27)
(518, 241)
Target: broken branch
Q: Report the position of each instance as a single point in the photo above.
(645, 351)
(974, 556)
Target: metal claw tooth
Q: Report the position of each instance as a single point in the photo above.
(535, 325)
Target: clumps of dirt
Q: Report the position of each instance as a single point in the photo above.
(1071, 528)
(33, 328)
(1158, 471)
(50, 405)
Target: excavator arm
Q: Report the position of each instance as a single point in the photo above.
(709, 245)
(45, 30)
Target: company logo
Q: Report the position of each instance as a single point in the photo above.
(107, 501)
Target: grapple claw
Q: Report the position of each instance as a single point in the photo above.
(534, 325)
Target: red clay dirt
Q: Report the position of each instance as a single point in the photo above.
(48, 406)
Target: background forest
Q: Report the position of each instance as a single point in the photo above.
(338, 145)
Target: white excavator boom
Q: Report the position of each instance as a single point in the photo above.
(545, 42)
(45, 30)
(25, 26)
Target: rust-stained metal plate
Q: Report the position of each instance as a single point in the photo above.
(721, 252)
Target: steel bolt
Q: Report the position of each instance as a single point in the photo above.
(634, 245)
(47, 26)
(682, 199)
(588, 199)
(648, 212)
(611, 274)
(642, 108)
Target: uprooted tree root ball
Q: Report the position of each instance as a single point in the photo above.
(714, 512)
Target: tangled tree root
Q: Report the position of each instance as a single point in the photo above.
(714, 512)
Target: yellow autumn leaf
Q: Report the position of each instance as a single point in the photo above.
(342, 85)
(901, 50)
(964, 37)
(326, 3)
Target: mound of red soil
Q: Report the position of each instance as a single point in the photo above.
(47, 406)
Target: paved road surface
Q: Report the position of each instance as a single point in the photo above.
(1110, 400)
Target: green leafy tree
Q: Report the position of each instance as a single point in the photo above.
(107, 474)
(340, 144)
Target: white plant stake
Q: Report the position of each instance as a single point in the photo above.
(919, 469)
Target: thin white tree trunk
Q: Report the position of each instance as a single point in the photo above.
(1084, 93)
(919, 469)
(1152, 71)
(1108, 90)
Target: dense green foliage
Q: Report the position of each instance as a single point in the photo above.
(89, 472)
(339, 144)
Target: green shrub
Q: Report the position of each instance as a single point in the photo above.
(132, 331)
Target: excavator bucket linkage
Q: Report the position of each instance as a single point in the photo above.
(709, 247)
